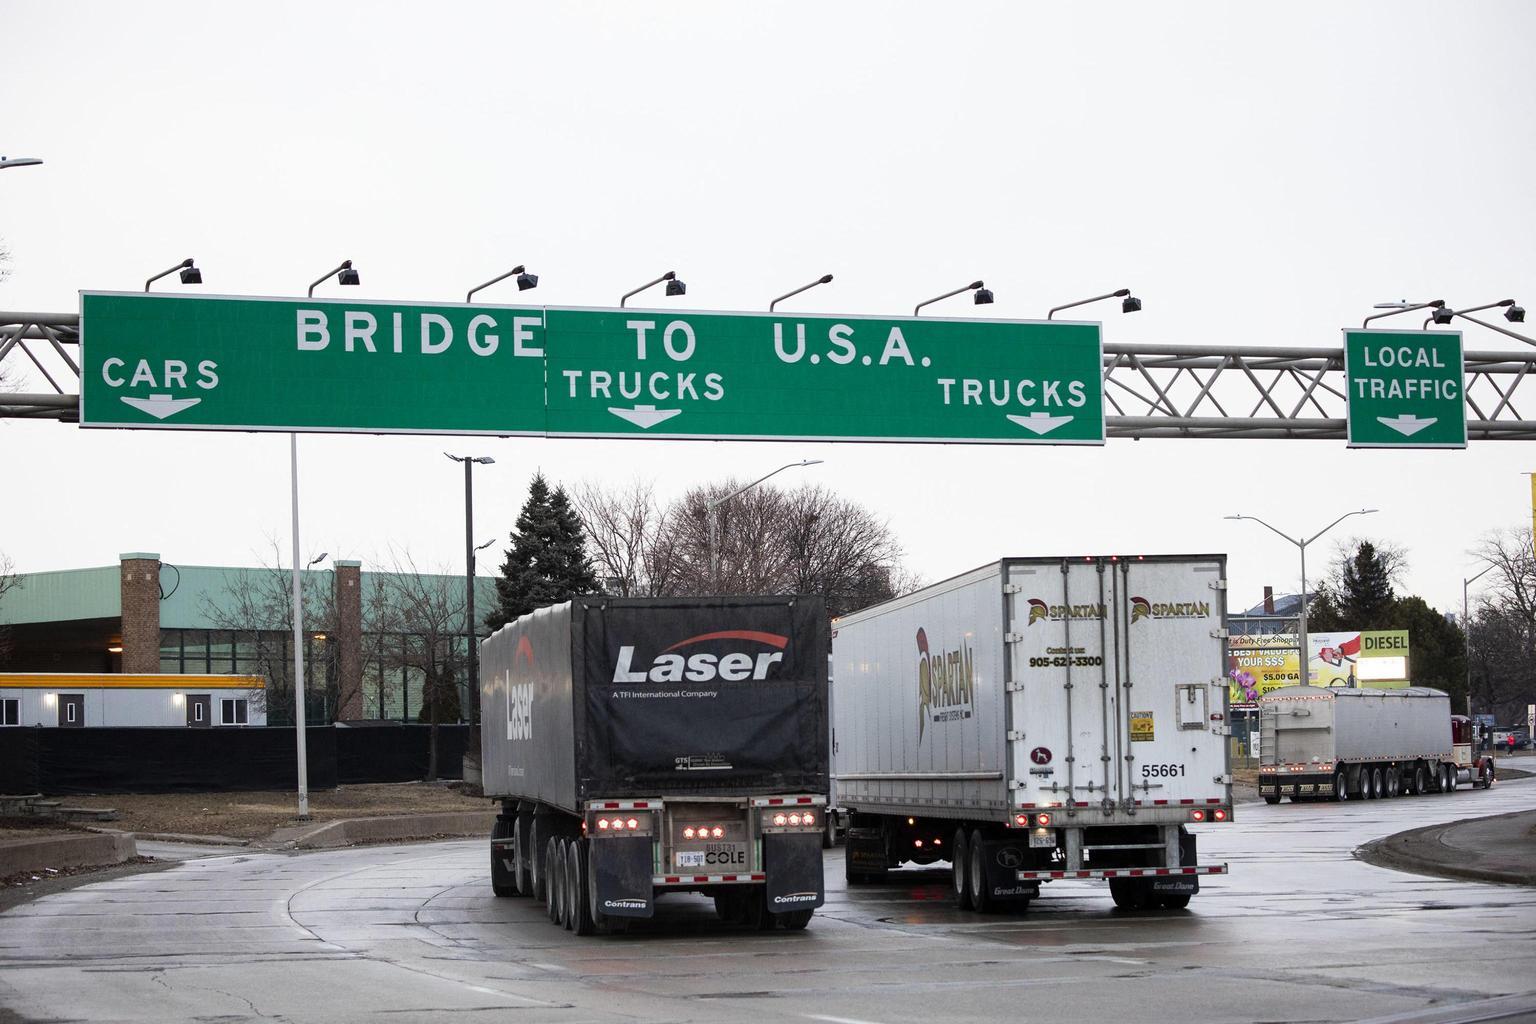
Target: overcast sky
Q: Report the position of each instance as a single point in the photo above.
(1259, 174)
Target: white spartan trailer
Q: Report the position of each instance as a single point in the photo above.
(1039, 719)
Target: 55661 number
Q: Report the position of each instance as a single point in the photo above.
(1161, 771)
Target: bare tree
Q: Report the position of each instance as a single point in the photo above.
(1502, 634)
(257, 606)
(628, 538)
(768, 541)
(9, 581)
(428, 611)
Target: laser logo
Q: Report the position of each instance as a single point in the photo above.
(705, 667)
(520, 695)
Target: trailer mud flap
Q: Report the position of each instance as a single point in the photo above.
(1184, 885)
(1003, 858)
(792, 863)
(621, 876)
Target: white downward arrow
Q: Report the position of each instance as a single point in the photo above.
(161, 406)
(645, 416)
(1041, 422)
(1407, 424)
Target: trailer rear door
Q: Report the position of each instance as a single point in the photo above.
(1117, 695)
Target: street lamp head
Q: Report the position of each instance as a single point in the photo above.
(825, 279)
(1130, 304)
(1441, 315)
(190, 274)
(810, 462)
(1515, 314)
(484, 460)
(347, 275)
(526, 280)
(983, 296)
(319, 558)
(674, 286)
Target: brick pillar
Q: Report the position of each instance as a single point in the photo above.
(140, 578)
(349, 639)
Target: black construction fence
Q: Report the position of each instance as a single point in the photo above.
(105, 760)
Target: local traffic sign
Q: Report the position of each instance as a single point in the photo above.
(204, 363)
(1405, 389)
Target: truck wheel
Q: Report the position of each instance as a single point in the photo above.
(1394, 780)
(1340, 784)
(1452, 779)
(1128, 893)
(554, 868)
(976, 877)
(960, 870)
(1487, 776)
(1173, 900)
(1271, 798)
(828, 830)
(579, 897)
(538, 865)
(522, 874)
(730, 907)
(1420, 779)
(503, 882)
(1373, 778)
(795, 920)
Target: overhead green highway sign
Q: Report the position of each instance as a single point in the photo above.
(335, 365)
(1405, 389)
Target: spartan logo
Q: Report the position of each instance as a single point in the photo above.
(1141, 608)
(945, 684)
(520, 695)
(1039, 611)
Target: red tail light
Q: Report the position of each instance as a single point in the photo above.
(1197, 815)
(1043, 819)
(1219, 814)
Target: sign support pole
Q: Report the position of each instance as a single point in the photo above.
(298, 636)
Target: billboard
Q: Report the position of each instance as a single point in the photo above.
(1375, 659)
(1258, 663)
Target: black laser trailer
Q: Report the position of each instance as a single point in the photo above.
(648, 745)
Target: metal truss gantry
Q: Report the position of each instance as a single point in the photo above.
(1149, 390)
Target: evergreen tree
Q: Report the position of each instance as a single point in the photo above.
(547, 562)
(1365, 596)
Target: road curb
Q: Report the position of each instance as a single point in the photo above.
(93, 849)
(394, 828)
(1443, 850)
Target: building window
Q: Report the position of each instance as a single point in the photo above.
(10, 711)
(233, 711)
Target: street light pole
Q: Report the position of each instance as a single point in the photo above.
(1129, 303)
(470, 628)
(1301, 617)
(1466, 631)
(823, 279)
(298, 650)
(345, 275)
(983, 296)
(714, 522)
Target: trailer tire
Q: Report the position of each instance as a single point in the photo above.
(828, 830)
(579, 897)
(538, 867)
(1340, 785)
(976, 877)
(1452, 778)
(1129, 893)
(503, 882)
(1374, 780)
(961, 869)
(795, 920)
(1420, 779)
(1271, 798)
(1173, 900)
(1394, 780)
(554, 869)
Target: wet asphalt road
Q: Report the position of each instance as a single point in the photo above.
(1299, 931)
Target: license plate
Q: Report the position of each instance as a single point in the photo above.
(690, 858)
(1046, 841)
